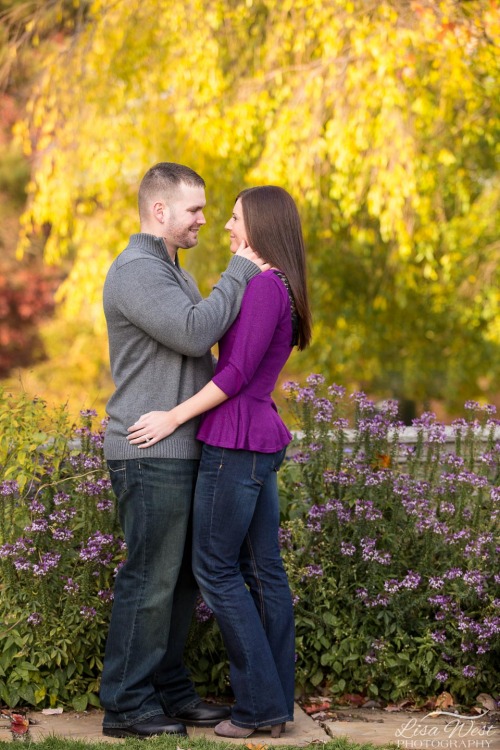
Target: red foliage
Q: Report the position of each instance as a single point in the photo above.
(26, 298)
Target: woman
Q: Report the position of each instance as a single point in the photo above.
(236, 557)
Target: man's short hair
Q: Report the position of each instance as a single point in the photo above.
(161, 180)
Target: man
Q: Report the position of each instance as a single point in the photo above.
(160, 333)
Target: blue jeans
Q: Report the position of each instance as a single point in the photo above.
(155, 592)
(237, 563)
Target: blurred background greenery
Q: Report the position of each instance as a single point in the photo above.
(381, 118)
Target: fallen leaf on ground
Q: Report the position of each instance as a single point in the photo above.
(353, 699)
(315, 708)
(486, 701)
(445, 700)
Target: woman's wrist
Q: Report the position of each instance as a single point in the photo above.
(177, 416)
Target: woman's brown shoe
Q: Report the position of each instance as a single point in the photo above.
(228, 729)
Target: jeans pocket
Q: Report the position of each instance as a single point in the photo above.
(118, 475)
(263, 464)
(280, 457)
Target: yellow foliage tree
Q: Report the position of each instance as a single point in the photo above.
(381, 118)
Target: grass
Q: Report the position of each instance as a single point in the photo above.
(176, 743)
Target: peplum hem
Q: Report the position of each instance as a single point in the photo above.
(245, 424)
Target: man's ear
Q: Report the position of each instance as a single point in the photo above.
(159, 211)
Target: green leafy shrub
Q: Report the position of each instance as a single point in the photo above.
(58, 553)
(392, 548)
(391, 551)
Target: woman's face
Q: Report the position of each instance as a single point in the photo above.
(236, 227)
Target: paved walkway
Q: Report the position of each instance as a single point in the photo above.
(88, 726)
(409, 730)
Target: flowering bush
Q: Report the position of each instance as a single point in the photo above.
(58, 554)
(392, 549)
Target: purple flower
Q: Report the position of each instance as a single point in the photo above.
(71, 587)
(469, 671)
(284, 537)
(442, 676)
(472, 406)
(425, 421)
(301, 458)
(375, 427)
(48, 561)
(440, 600)
(290, 387)
(315, 380)
(88, 413)
(307, 395)
(338, 477)
(100, 549)
(88, 613)
(439, 636)
(392, 586)
(381, 600)
(94, 488)
(35, 619)
(453, 573)
(60, 498)
(83, 460)
(203, 613)
(312, 571)
(366, 509)
(106, 595)
(22, 564)
(436, 583)
(38, 525)
(370, 553)
(343, 514)
(362, 401)
(337, 391)
(315, 447)
(323, 410)
(105, 505)
(9, 487)
(37, 508)
(62, 515)
(62, 535)
(347, 549)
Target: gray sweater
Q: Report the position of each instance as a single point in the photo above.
(160, 332)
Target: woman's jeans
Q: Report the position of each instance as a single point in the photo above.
(154, 594)
(237, 564)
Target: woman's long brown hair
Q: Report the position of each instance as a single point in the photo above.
(274, 231)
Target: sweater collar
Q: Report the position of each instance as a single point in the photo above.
(154, 245)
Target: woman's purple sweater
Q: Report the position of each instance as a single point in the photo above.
(252, 354)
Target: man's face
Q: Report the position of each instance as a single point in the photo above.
(184, 217)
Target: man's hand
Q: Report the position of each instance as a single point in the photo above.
(151, 428)
(245, 251)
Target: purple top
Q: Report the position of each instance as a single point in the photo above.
(252, 354)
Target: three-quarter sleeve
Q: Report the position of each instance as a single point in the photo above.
(261, 311)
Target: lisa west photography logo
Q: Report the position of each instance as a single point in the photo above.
(456, 732)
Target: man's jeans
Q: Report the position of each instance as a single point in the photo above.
(155, 592)
(235, 545)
